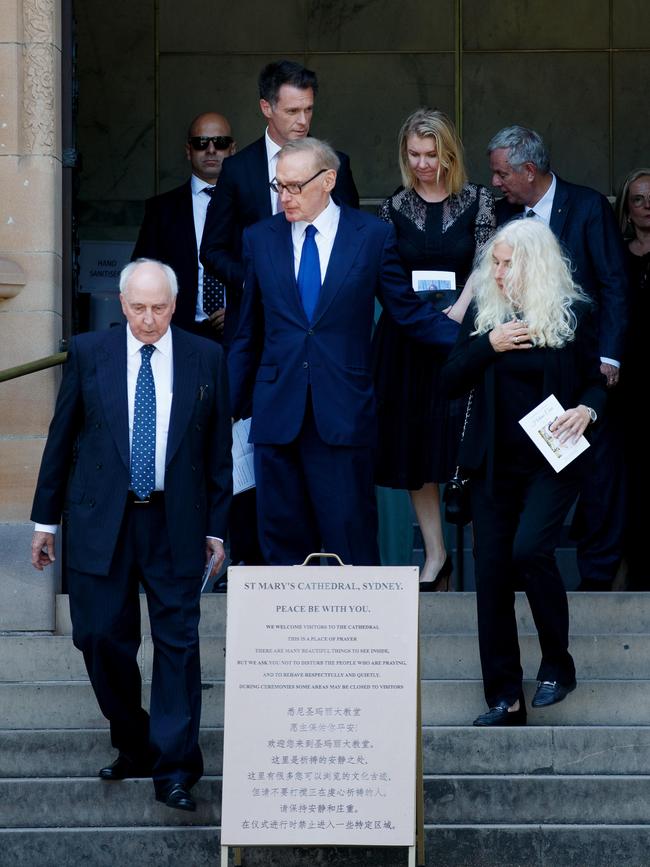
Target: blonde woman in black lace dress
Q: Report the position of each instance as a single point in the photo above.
(441, 221)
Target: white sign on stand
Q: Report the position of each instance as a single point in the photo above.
(320, 706)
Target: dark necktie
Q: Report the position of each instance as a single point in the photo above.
(309, 273)
(143, 445)
(214, 292)
(531, 213)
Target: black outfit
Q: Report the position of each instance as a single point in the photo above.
(167, 234)
(631, 390)
(583, 222)
(419, 430)
(518, 501)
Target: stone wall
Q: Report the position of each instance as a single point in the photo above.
(30, 285)
(574, 70)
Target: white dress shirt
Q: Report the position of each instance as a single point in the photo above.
(272, 151)
(326, 225)
(544, 208)
(162, 367)
(200, 202)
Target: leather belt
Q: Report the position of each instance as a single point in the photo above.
(154, 497)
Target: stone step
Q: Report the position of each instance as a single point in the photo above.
(454, 799)
(446, 846)
(548, 750)
(83, 802)
(444, 702)
(450, 613)
(520, 799)
(535, 845)
(54, 658)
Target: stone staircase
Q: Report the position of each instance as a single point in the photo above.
(570, 790)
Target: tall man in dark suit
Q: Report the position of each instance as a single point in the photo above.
(302, 355)
(287, 91)
(173, 224)
(583, 221)
(138, 458)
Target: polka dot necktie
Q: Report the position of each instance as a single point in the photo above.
(309, 272)
(143, 445)
(214, 292)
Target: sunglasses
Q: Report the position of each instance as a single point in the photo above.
(201, 142)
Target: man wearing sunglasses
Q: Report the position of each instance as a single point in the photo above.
(173, 226)
(301, 355)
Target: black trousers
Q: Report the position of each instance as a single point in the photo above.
(517, 526)
(105, 611)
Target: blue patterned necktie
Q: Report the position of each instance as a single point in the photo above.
(143, 445)
(214, 292)
(309, 272)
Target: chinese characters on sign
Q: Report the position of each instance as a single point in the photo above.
(320, 717)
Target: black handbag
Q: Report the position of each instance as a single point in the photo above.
(456, 495)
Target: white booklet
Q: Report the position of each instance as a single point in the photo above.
(537, 425)
(243, 472)
(435, 284)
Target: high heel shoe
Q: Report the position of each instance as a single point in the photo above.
(441, 581)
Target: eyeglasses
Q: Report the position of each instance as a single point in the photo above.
(293, 189)
(640, 201)
(201, 142)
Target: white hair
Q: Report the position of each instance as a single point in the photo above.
(170, 276)
(538, 287)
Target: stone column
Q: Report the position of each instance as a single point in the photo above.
(30, 287)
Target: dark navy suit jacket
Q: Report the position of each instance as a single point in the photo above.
(167, 234)
(85, 466)
(583, 221)
(242, 199)
(277, 356)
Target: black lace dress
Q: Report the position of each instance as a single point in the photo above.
(419, 431)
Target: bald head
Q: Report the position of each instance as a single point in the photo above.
(207, 158)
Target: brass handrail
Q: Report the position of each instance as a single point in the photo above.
(32, 366)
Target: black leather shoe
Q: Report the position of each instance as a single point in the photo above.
(178, 798)
(501, 716)
(550, 692)
(123, 768)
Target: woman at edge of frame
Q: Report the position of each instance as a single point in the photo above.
(529, 333)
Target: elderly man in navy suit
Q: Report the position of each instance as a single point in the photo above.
(138, 458)
(301, 354)
(584, 224)
(174, 222)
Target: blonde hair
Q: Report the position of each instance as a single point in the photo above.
(429, 123)
(622, 206)
(538, 287)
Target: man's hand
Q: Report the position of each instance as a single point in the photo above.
(217, 320)
(611, 373)
(42, 550)
(214, 546)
